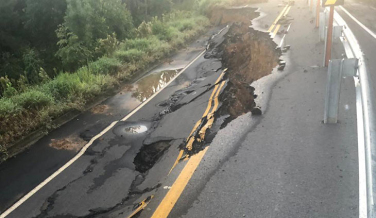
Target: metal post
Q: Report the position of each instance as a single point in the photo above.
(329, 38)
(336, 70)
(317, 13)
(333, 88)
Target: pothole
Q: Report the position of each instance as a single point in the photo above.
(149, 155)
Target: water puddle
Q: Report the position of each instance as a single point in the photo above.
(136, 129)
(130, 128)
(149, 85)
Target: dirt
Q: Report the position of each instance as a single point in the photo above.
(249, 55)
(100, 109)
(71, 143)
(220, 15)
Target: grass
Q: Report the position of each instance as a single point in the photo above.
(37, 106)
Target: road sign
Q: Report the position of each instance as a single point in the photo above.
(326, 3)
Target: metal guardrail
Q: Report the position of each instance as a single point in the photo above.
(366, 123)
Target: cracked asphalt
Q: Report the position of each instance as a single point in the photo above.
(285, 163)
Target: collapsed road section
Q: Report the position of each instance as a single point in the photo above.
(126, 166)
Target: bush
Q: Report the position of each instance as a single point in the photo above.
(7, 107)
(186, 24)
(62, 86)
(10, 91)
(131, 55)
(161, 30)
(144, 29)
(105, 65)
(33, 99)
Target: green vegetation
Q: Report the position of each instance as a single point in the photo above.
(59, 55)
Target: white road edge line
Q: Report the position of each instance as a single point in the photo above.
(79, 154)
(361, 112)
(359, 23)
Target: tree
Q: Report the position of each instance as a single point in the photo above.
(144, 10)
(42, 19)
(87, 22)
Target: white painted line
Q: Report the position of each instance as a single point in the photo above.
(155, 94)
(361, 152)
(79, 154)
(352, 49)
(359, 23)
(56, 173)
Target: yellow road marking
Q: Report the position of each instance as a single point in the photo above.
(275, 31)
(276, 20)
(142, 206)
(210, 121)
(181, 152)
(210, 101)
(179, 185)
(287, 11)
(190, 139)
(181, 182)
(279, 25)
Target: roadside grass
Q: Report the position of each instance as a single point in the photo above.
(37, 106)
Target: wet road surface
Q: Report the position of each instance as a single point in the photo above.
(22, 173)
(158, 162)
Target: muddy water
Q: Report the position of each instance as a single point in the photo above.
(149, 85)
(134, 94)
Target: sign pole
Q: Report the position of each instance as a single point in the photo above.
(317, 13)
(329, 38)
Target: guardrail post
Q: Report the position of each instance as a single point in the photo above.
(337, 69)
(329, 39)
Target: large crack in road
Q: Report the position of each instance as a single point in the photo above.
(130, 152)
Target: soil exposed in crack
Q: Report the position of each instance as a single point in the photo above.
(248, 55)
(219, 15)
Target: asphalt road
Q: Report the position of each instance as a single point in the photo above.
(285, 163)
(117, 171)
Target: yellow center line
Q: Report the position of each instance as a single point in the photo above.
(172, 196)
(275, 31)
(142, 206)
(190, 139)
(210, 121)
(178, 187)
(279, 25)
(276, 20)
(209, 103)
(287, 11)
